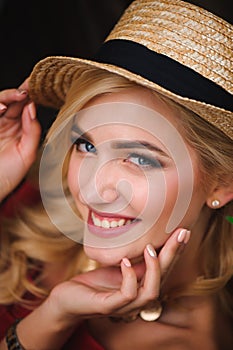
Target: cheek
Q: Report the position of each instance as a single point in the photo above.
(157, 200)
(158, 195)
(172, 187)
(184, 201)
(139, 197)
(72, 176)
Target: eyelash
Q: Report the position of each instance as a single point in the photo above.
(81, 141)
(151, 161)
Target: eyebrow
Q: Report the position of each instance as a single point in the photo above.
(138, 144)
(121, 144)
(75, 128)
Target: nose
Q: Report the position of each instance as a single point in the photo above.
(106, 180)
(108, 194)
(101, 185)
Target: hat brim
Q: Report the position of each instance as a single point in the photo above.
(52, 77)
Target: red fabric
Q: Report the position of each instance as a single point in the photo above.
(25, 194)
(82, 340)
(8, 315)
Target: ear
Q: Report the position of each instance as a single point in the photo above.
(220, 196)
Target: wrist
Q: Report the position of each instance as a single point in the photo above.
(12, 340)
(61, 319)
(45, 329)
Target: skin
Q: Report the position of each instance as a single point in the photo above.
(137, 176)
(19, 137)
(131, 275)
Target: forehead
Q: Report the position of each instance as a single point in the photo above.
(126, 120)
(139, 96)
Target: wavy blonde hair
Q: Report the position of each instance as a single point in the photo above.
(31, 240)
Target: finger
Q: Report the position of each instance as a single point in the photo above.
(129, 280)
(13, 101)
(3, 109)
(13, 95)
(31, 131)
(113, 301)
(172, 250)
(150, 288)
(14, 110)
(150, 285)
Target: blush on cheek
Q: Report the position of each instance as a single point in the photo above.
(161, 201)
(181, 194)
(72, 182)
(72, 178)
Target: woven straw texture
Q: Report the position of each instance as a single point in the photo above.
(186, 33)
(196, 38)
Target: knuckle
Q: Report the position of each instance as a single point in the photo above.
(129, 296)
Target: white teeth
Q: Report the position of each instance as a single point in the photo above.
(109, 224)
(97, 222)
(121, 222)
(114, 224)
(105, 224)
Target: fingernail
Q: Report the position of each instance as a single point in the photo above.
(183, 236)
(126, 262)
(188, 234)
(3, 108)
(32, 112)
(151, 251)
(22, 92)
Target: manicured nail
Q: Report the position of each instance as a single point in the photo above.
(151, 251)
(183, 236)
(188, 234)
(32, 112)
(126, 262)
(22, 92)
(3, 108)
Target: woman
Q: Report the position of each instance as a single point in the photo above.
(137, 170)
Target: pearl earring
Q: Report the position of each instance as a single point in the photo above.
(215, 203)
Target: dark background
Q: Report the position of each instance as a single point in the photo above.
(33, 29)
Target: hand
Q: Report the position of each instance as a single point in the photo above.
(19, 137)
(107, 291)
(116, 291)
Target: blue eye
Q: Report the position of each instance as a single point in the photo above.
(84, 146)
(144, 161)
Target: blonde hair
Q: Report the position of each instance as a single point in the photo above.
(31, 240)
(214, 151)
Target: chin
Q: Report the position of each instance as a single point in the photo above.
(104, 256)
(112, 256)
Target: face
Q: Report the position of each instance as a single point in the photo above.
(133, 178)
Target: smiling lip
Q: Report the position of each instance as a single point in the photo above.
(106, 225)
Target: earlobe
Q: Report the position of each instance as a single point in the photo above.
(215, 203)
(220, 197)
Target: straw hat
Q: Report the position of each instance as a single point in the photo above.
(178, 49)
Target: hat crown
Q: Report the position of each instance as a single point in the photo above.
(173, 47)
(183, 32)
